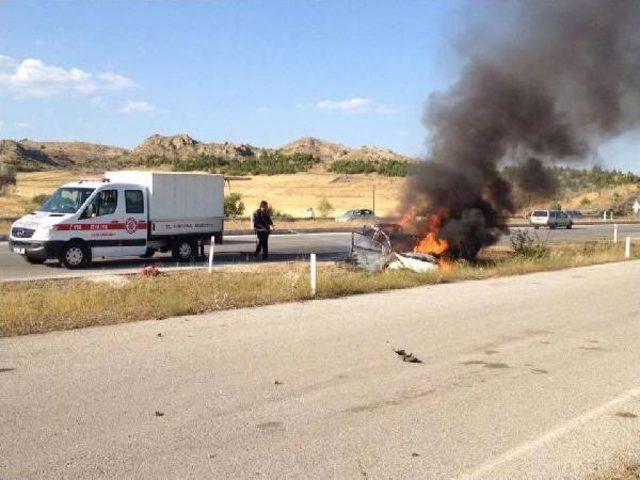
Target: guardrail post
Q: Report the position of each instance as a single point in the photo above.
(211, 252)
(313, 274)
(627, 247)
(604, 216)
(615, 233)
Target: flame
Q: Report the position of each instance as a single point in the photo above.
(430, 243)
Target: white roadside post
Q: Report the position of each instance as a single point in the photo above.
(211, 251)
(627, 247)
(611, 215)
(604, 216)
(313, 274)
(615, 233)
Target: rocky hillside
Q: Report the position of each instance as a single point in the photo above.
(329, 152)
(33, 155)
(183, 146)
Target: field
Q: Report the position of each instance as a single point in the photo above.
(292, 194)
(288, 194)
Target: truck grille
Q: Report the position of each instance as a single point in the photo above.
(20, 232)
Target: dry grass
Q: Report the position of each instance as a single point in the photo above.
(282, 224)
(41, 306)
(624, 472)
(290, 194)
(30, 184)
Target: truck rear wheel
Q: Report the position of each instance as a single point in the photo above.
(75, 255)
(183, 250)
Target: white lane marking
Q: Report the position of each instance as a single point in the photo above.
(551, 435)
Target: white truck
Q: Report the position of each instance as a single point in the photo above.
(126, 213)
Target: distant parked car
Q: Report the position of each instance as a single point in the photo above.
(575, 213)
(550, 218)
(363, 214)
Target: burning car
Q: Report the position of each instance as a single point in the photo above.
(394, 246)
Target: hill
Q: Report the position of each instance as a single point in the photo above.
(30, 155)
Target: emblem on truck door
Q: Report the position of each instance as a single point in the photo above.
(131, 225)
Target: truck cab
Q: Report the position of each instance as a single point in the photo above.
(84, 220)
(106, 219)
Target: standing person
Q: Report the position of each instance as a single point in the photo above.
(262, 224)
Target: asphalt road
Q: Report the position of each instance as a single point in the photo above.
(236, 249)
(526, 377)
(330, 246)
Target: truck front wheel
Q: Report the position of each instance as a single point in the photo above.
(183, 250)
(75, 255)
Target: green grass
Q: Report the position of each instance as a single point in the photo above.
(42, 306)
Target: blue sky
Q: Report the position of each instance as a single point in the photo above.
(266, 73)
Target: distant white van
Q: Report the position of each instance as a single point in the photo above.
(550, 218)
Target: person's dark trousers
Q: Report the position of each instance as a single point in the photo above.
(263, 244)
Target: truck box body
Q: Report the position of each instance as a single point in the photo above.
(179, 203)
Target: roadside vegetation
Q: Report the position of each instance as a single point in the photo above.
(7, 178)
(386, 168)
(42, 306)
(267, 164)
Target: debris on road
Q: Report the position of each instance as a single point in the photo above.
(416, 262)
(151, 271)
(277, 382)
(407, 357)
(158, 413)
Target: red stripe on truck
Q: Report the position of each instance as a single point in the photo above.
(96, 226)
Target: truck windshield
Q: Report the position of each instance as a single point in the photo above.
(66, 200)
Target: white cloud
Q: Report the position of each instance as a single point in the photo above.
(24, 126)
(353, 105)
(135, 106)
(33, 78)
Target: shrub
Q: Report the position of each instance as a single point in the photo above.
(555, 205)
(394, 168)
(281, 215)
(352, 167)
(526, 246)
(233, 205)
(585, 202)
(324, 207)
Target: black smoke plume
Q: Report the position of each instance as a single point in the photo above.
(563, 78)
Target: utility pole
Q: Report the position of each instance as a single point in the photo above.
(374, 199)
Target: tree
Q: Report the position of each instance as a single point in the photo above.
(7, 177)
(233, 205)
